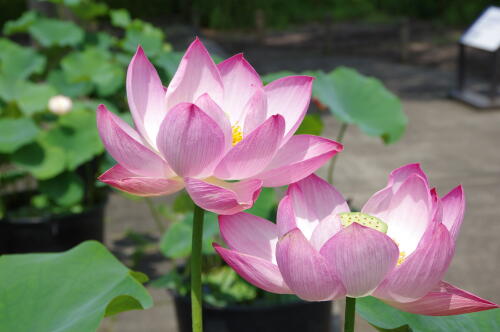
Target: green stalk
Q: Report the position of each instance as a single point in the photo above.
(196, 298)
(340, 138)
(350, 311)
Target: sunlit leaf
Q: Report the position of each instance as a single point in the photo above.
(70, 291)
(362, 101)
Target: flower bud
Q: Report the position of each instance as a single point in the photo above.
(60, 104)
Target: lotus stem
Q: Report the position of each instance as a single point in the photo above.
(196, 245)
(350, 311)
(340, 138)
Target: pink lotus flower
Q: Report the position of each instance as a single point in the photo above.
(397, 249)
(212, 124)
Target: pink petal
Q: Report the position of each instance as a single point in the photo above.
(255, 111)
(289, 96)
(250, 235)
(422, 270)
(191, 141)
(254, 152)
(257, 271)
(453, 211)
(399, 175)
(305, 271)
(407, 212)
(123, 146)
(124, 180)
(240, 83)
(445, 300)
(314, 200)
(146, 96)
(223, 197)
(285, 218)
(217, 114)
(361, 257)
(300, 156)
(196, 75)
(380, 201)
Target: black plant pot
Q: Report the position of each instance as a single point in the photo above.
(51, 233)
(290, 317)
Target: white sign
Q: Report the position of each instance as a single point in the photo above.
(484, 33)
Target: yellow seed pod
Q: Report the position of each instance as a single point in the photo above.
(347, 218)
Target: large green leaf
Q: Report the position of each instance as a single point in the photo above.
(120, 17)
(77, 136)
(18, 62)
(387, 318)
(34, 97)
(65, 189)
(21, 24)
(144, 34)
(41, 160)
(14, 133)
(52, 32)
(58, 80)
(66, 292)
(363, 101)
(94, 65)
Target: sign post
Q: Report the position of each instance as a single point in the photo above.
(483, 34)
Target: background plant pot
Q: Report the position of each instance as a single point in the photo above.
(290, 317)
(51, 233)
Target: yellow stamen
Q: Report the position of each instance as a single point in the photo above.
(237, 133)
(402, 257)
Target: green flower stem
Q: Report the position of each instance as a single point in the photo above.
(340, 138)
(350, 311)
(196, 298)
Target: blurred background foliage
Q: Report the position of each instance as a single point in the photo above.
(231, 14)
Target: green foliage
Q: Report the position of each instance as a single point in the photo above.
(70, 291)
(363, 101)
(266, 204)
(144, 34)
(34, 98)
(65, 189)
(15, 133)
(40, 159)
(176, 242)
(18, 63)
(311, 125)
(120, 18)
(386, 318)
(51, 32)
(77, 136)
